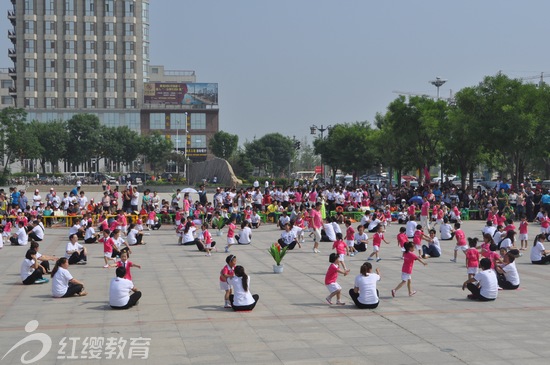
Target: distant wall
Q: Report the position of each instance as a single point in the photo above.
(217, 167)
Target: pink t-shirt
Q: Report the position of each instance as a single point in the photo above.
(417, 239)
(377, 239)
(523, 227)
(402, 239)
(460, 238)
(231, 230)
(316, 218)
(340, 247)
(227, 270)
(350, 233)
(545, 222)
(485, 249)
(127, 266)
(411, 210)
(332, 274)
(425, 209)
(408, 262)
(207, 237)
(472, 257)
(108, 244)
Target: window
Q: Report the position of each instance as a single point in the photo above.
(70, 47)
(198, 121)
(30, 46)
(129, 67)
(69, 7)
(133, 121)
(109, 28)
(30, 65)
(109, 85)
(128, 29)
(49, 46)
(109, 47)
(89, 28)
(129, 8)
(129, 47)
(70, 66)
(49, 27)
(70, 103)
(6, 99)
(129, 103)
(6, 83)
(89, 47)
(49, 7)
(70, 85)
(29, 26)
(90, 102)
(29, 7)
(145, 12)
(198, 141)
(109, 8)
(90, 85)
(89, 8)
(109, 66)
(145, 33)
(49, 84)
(51, 103)
(89, 66)
(49, 65)
(178, 121)
(30, 84)
(110, 103)
(130, 86)
(30, 103)
(68, 28)
(157, 121)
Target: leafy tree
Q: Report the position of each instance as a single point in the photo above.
(241, 164)
(12, 121)
(273, 152)
(223, 144)
(52, 137)
(157, 149)
(84, 139)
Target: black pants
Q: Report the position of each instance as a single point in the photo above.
(505, 284)
(118, 253)
(76, 257)
(201, 248)
(244, 307)
(290, 246)
(191, 243)
(355, 297)
(134, 298)
(430, 250)
(361, 247)
(92, 239)
(46, 265)
(33, 236)
(544, 261)
(73, 289)
(14, 241)
(476, 293)
(36, 274)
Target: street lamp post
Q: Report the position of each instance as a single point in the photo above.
(177, 145)
(321, 129)
(185, 147)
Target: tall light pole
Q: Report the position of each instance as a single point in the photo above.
(321, 129)
(185, 148)
(438, 82)
(177, 145)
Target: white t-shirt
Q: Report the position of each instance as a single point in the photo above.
(329, 231)
(71, 247)
(489, 230)
(511, 273)
(131, 237)
(241, 297)
(435, 244)
(536, 251)
(135, 198)
(22, 237)
(26, 268)
(74, 229)
(244, 236)
(119, 292)
(411, 228)
(488, 283)
(39, 231)
(445, 231)
(367, 288)
(60, 282)
(506, 243)
(90, 232)
(190, 235)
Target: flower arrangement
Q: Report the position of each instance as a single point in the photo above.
(277, 252)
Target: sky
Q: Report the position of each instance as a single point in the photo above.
(283, 66)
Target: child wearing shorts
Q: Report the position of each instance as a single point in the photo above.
(231, 233)
(227, 272)
(330, 279)
(108, 246)
(472, 258)
(341, 249)
(377, 239)
(523, 236)
(461, 243)
(401, 240)
(406, 271)
(350, 234)
(418, 237)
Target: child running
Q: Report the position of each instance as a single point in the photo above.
(231, 233)
(377, 239)
(341, 249)
(472, 258)
(401, 240)
(408, 262)
(461, 243)
(350, 234)
(418, 237)
(108, 247)
(330, 279)
(126, 264)
(226, 273)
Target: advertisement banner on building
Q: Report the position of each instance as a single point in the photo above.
(175, 93)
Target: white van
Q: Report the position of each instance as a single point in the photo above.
(79, 175)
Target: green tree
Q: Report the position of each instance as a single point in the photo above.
(52, 137)
(84, 139)
(157, 150)
(241, 164)
(12, 120)
(272, 153)
(223, 144)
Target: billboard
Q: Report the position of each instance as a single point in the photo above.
(176, 93)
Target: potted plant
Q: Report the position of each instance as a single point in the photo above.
(278, 253)
(218, 222)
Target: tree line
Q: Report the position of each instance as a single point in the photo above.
(501, 124)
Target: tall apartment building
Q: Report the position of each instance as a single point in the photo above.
(75, 56)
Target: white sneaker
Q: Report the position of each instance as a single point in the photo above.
(453, 260)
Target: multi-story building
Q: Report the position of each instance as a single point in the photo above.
(92, 56)
(6, 83)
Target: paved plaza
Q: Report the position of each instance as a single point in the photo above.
(181, 320)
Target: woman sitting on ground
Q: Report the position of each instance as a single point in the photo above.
(63, 283)
(364, 294)
(241, 299)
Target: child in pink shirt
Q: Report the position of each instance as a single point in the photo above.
(418, 237)
(523, 236)
(472, 258)
(402, 239)
(227, 272)
(377, 239)
(231, 233)
(406, 271)
(350, 235)
(331, 278)
(341, 249)
(461, 243)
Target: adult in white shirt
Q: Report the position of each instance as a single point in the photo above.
(188, 234)
(63, 283)
(410, 228)
(446, 231)
(75, 253)
(37, 232)
(20, 238)
(134, 201)
(288, 237)
(507, 273)
(36, 199)
(31, 271)
(328, 234)
(364, 293)
(82, 200)
(434, 249)
(489, 229)
(120, 289)
(539, 255)
(90, 236)
(134, 237)
(486, 288)
(245, 235)
(241, 299)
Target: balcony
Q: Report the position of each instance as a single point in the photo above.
(11, 36)
(12, 54)
(12, 73)
(13, 91)
(11, 16)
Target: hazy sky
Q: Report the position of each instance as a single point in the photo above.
(285, 65)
